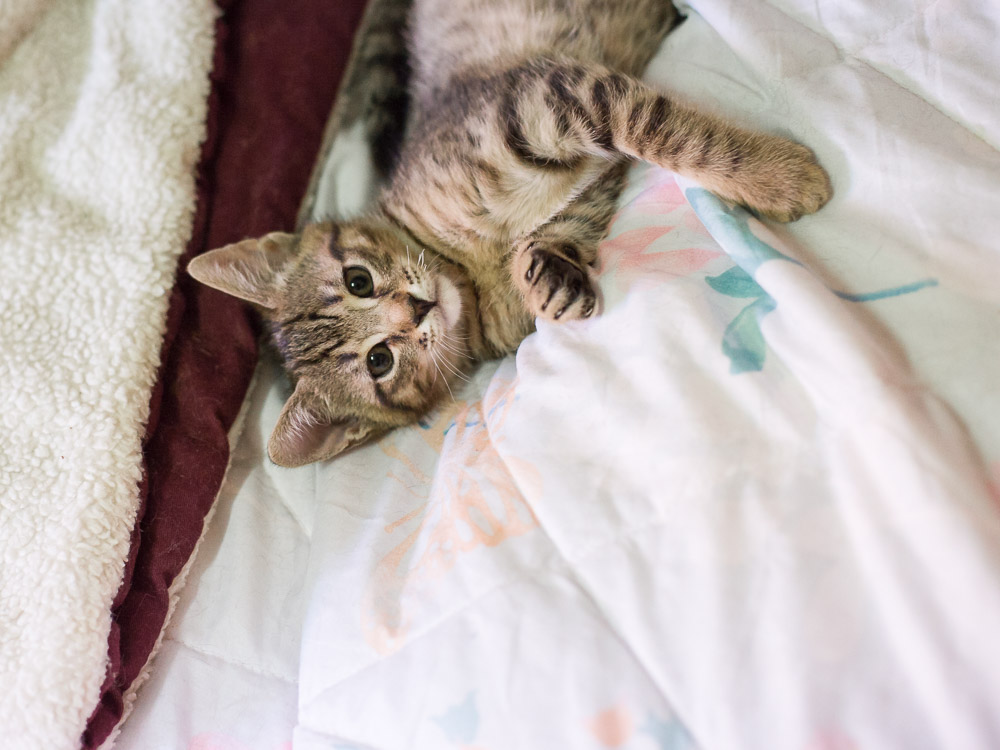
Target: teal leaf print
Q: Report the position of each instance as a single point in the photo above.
(461, 722)
(730, 226)
(743, 342)
(735, 282)
(668, 735)
(916, 286)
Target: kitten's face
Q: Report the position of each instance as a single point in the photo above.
(372, 332)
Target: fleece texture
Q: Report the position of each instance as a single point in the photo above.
(266, 116)
(102, 110)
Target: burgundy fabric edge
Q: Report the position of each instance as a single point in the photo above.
(110, 706)
(131, 643)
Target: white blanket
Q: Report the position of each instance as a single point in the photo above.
(753, 505)
(102, 110)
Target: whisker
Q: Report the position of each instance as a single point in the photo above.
(434, 359)
(437, 370)
(454, 345)
(453, 350)
(448, 343)
(458, 375)
(450, 366)
(453, 370)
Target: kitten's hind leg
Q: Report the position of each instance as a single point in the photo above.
(558, 111)
(549, 266)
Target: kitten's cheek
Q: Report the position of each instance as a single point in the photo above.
(449, 302)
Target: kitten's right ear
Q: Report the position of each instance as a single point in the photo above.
(249, 269)
(304, 433)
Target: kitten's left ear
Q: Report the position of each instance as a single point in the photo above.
(304, 433)
(249, 269)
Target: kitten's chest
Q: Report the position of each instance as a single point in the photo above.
(479, 207)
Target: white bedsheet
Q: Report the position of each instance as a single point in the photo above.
(753, 505)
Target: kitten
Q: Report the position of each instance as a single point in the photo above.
(523, 117)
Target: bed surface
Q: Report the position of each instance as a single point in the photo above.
(754, 504)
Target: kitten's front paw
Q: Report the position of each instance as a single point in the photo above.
(789, 182)
(553, 285)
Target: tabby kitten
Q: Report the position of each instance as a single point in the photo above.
(523, 116)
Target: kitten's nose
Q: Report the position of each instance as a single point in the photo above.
(420, 308)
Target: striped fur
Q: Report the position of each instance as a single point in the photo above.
(375, 92)
(523, 116)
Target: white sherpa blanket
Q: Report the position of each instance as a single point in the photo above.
(102, 111)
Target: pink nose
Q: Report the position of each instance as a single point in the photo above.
(420, 308)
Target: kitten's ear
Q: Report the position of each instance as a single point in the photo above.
(305, 434)
(248, 269)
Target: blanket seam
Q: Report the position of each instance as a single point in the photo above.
(212, 654)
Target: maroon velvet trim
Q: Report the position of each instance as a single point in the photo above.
(275, 73)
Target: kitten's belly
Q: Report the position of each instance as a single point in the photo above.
(528, 197)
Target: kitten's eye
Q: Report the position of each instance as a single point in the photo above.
(379, 360)
(358, 281)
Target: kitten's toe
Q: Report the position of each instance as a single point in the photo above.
(554, 287)
(572, 299)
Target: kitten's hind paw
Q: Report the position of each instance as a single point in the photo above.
(554, 286)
